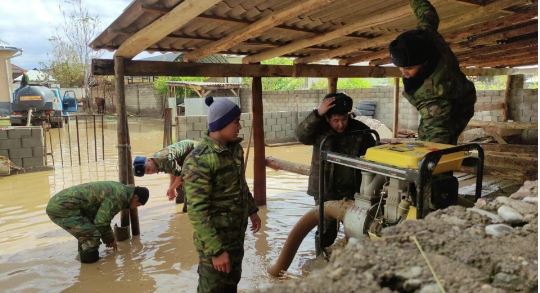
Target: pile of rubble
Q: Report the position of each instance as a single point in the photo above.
(491, 247)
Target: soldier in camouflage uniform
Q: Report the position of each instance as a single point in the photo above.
(168, 160)
(432, 79)
(332, 118)
(220, 200)
(86, 211)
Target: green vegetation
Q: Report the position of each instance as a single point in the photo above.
(160, 85)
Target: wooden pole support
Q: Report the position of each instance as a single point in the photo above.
(259, 178)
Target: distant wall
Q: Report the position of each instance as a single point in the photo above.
(278, 126)
(142, 99)
(23, 145)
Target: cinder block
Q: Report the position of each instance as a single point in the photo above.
(19, 132)
(192, 134)
(4, 153)
(3, 134)
(7, 144)
(29, 142)
(18, 162)
(20, 153)
(32, 162)
(37, 151)
(276, 127)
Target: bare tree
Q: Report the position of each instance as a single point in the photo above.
(70, 43)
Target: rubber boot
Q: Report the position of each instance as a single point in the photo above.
(184, 208)
(89, 255)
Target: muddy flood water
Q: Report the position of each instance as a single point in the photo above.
(36, 255)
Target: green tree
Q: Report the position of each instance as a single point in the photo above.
(343, 83)
(278, 83)
(160, 85)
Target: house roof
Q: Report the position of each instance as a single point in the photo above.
(480, 32)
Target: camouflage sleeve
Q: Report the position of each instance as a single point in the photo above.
(425, 14)
(197, 175)
(437, 122)
(104, 216)
(309, 129)
(172, 165)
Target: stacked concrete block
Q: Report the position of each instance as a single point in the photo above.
(23, 145)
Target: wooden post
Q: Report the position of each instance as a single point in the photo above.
(395, 122)
(259, 163)
(124, 152)
(514, 83)
(167, 127)
(332, 85)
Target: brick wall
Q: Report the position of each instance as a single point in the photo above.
(23, 145)
(524, 108)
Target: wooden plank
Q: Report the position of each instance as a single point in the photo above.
(278, 164)
(277, 17)
(332, 85)
(157, 68)
(363, 23)
(380, 62)
(168, 23)
(491, 38)
(395, 121)
(502, 125)
(500, 59)
(531, 59)
(488, 26)
(259, 162)
(443, 27)
(365, 57)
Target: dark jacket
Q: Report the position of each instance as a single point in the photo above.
(344, 181)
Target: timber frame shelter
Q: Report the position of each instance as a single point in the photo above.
(483, 34)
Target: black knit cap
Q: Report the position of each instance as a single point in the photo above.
(411, 48)
(342, 104)
(142, 194)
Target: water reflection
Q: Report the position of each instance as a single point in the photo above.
(37, 255)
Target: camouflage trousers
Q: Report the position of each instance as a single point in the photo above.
(79, 226)
(211, 280)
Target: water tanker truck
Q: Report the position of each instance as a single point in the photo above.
(39, 103)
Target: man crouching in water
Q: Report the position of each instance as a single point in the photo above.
(86, 212)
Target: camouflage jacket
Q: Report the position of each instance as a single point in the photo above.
(170, 159)
(345, 181)
(446, 98)
(97, 201)
(219, 199)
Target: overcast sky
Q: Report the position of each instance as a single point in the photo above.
(28, 24)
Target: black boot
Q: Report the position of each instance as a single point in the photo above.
(180, 196)
(89, 256)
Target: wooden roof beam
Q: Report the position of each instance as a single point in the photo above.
(159, 68)
(488, 26)
(363, 23)
(277, 17)
(504, 35)
(365, 57)
(444, 26)
(163, 26)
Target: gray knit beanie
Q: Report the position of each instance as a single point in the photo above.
(220, 113)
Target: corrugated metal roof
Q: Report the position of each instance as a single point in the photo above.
(510, 26)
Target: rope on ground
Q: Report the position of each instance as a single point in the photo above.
(428, 263)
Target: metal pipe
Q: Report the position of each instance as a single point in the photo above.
(95, 139)
(60, 142)
(50, 142)
(102, 138)
(86, 134)
(69, 141)
(78, 140)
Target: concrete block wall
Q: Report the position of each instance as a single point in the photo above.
(307, 100)
(141, 99)
(488, 97)
(23, 145)
(524, 108)
(278, 126)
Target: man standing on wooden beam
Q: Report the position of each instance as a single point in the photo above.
(432, 79)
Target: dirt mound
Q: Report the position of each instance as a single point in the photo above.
(489, 248)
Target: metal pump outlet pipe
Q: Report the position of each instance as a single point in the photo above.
(332, 209)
